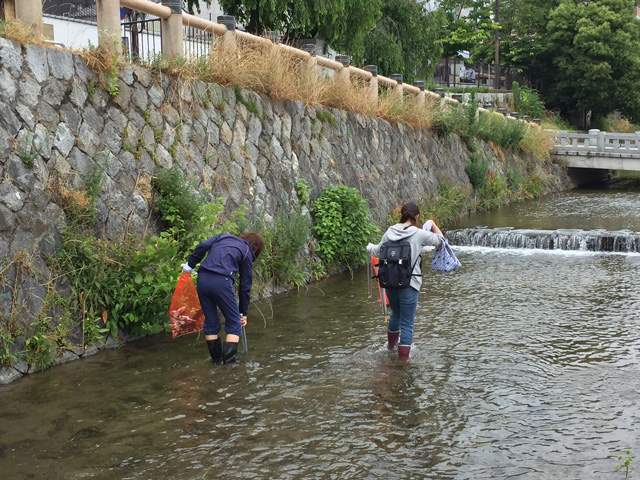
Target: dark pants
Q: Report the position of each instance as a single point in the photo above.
(217, 291)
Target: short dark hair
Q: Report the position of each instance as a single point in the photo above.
(255, 242)
(409, 211)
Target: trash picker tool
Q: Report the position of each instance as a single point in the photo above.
(245, 345)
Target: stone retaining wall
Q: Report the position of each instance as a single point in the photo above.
(58, 125)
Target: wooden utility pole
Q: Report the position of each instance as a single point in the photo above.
(496, 20)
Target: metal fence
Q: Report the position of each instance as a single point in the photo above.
(197, 43)
(142, 40)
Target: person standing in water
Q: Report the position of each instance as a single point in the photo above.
(403, 298)
(227, 257)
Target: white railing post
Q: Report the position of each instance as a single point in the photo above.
(421, 97)
(398, 77)
(596, 139)
(108, 16)
(312, 62)
(343, 76)
(229, 43)
(373, 84)
(29, 12)
(9, 10)
(172, 30)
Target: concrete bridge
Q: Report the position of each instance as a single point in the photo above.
(598, 150)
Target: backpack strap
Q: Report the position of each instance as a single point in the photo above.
(414, 266)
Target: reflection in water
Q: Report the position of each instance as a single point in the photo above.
(526, 366)
(607, 210)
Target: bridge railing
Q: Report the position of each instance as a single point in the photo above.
(596, 141)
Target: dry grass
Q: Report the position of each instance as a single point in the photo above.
(274, 72)
(616, 122)
(553, 121)
(354, 97)
(68, 198)
(406, 109)
(538, 143)
(101, 59)
(19, 32)
(107, 62)
(268, 70)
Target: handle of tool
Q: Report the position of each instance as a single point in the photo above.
(384, 305)
(245, 345)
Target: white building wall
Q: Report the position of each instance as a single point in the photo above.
(73, 33)
(81, 34)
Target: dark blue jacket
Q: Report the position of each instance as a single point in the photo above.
(227, 255)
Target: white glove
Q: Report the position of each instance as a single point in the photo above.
(428, 225)
(186, 268)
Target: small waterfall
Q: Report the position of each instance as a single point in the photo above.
(586, 240)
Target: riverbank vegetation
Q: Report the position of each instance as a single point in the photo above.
(113, 287)
(274, 72)
(470, 124)
(616, 122)
(490, 189)
(562, 48)
(123, 286)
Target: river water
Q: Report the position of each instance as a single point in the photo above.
(526, 364)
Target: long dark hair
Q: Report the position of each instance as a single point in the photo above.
(409, 211)
(255, 242)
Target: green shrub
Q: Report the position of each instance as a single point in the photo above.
(477, 170)
(303, 192)
(175, 201)
(8, 356)
(79, 205)
(469, 129)
(527, 101)
(249, 104)
(326, 117)
(93, 331)
(40, 348)
(500, 130)
(342, 226)
(450, 204)
(495, 192)
(532, 187)
(616, 122)
(131, 282)
(514, 178)
(282, 260)
(450, 119)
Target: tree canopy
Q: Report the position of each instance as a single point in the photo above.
(342, 23)
(593, 55)
(407, 39)
(583, 55)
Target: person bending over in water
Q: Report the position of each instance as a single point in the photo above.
(403, 296)
(227, 256)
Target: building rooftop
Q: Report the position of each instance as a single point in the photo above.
(79, 9)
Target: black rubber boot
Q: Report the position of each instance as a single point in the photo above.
(230, 352)
(215, 350)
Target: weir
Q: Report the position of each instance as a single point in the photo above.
(584, 240)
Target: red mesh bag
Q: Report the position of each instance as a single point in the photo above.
(185, 313)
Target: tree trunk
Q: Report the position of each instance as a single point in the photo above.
(254, 21)
(446, 70)
(497, 60)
